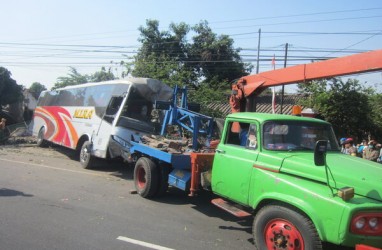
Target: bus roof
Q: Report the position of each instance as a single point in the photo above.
(150, 89)
(130, 80)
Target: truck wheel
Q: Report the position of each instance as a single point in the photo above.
(86, 159)
(146, 177)
(41, 142)
(278, 227)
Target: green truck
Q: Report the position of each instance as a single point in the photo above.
(287, 172)
(302, 189)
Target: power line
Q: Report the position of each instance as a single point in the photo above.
(354, 44)
(298, 15)
(302, 33)
(69, 45)
(297, 22)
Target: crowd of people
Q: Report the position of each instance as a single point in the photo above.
(369, 150)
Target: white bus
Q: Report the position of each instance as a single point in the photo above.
(99, 119)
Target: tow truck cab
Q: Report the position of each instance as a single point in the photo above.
(292, 167)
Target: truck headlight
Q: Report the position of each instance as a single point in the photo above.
(373, 222)
(360, 223)
(367, 223)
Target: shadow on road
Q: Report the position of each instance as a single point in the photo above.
(5, 192)
(117, 167)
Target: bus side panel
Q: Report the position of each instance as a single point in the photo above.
(66, 125)
(58, 125)
(43, 119)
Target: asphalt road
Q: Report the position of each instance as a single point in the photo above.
(47, 201)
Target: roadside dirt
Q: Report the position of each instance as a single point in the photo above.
(26, 145)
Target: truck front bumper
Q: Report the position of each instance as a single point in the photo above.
(365, 247)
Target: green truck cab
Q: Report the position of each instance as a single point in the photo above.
(302, 189)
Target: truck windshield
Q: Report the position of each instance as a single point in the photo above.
(297, 135)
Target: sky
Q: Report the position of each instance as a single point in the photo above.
(41, 39)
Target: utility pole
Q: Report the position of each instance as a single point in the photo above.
(258, 53)
(282, 88)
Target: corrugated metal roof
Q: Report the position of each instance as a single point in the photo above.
(263, 104)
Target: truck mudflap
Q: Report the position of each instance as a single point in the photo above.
(365, 247)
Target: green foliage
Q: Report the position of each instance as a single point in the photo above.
(169, 57)
(171, 43)
(162, 55)
(205, 95)
(375, 102)
(214, 57)
(36, 88)
(102, 75)
(75, 78)
(163, 68)
(344, 104)
(10, 91)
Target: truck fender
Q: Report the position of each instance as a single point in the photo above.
(297, 204)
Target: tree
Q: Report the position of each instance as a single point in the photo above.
(205, 95)
(168, 56)
(165, 69)
(102, 75)
(10, 91)
(214, 57)
(162, 55)
(36, 88)
(75, 78)
(375, 112)
(344, 104)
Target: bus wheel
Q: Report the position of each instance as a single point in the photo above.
(41, 142)
(146, 177)
(86, 159)
(278, 227)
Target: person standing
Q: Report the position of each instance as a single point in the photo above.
(379, 148)
(371, 153)
(348, 147)
(361, 148)
(2, 129)
(342, 140)
(2, 123)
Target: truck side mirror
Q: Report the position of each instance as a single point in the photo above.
(320, 153)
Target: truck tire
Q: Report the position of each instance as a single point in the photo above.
(86, 159)
(146, 177)
(41, 142)
(279, 227)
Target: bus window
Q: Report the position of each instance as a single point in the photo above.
(112, 108)
(114, 105)
(65, 98)
(48, 98)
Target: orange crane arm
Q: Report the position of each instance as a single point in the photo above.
(358, 63)
(247, 87)
(348, 65)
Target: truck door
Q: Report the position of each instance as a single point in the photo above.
(233, 163)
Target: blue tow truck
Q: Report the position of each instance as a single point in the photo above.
(156, 168)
